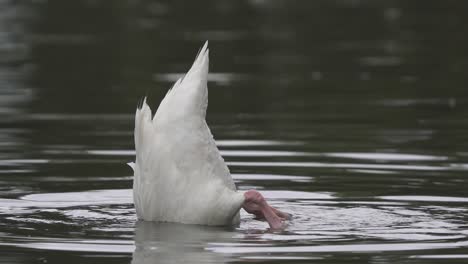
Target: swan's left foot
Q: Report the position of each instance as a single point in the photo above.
(256, 204)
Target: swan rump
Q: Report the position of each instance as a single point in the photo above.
(179, 174)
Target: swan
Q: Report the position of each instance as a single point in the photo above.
(179, 174)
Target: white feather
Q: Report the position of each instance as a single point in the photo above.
(179, 174)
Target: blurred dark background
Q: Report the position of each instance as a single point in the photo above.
(388, 64)
(102, 56)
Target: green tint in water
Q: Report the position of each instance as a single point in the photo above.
(350, 115)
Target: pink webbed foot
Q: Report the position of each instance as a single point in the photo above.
(256, 204)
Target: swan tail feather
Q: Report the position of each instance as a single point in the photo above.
(189, 95)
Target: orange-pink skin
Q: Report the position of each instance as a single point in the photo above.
(256, 204)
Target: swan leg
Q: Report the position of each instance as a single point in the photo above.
(256, 204)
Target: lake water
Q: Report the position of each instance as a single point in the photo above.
(352, 116)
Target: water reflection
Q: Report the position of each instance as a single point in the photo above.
(176, 243)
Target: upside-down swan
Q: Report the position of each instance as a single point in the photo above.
(179, 174)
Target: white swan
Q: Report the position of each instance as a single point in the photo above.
(179, 174)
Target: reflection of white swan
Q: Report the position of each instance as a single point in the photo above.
(180, 175)
(177, 243)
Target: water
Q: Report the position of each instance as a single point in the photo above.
(349, 115)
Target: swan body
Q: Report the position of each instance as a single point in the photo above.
(179, 174)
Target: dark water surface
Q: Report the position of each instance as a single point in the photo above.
(350, 115)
